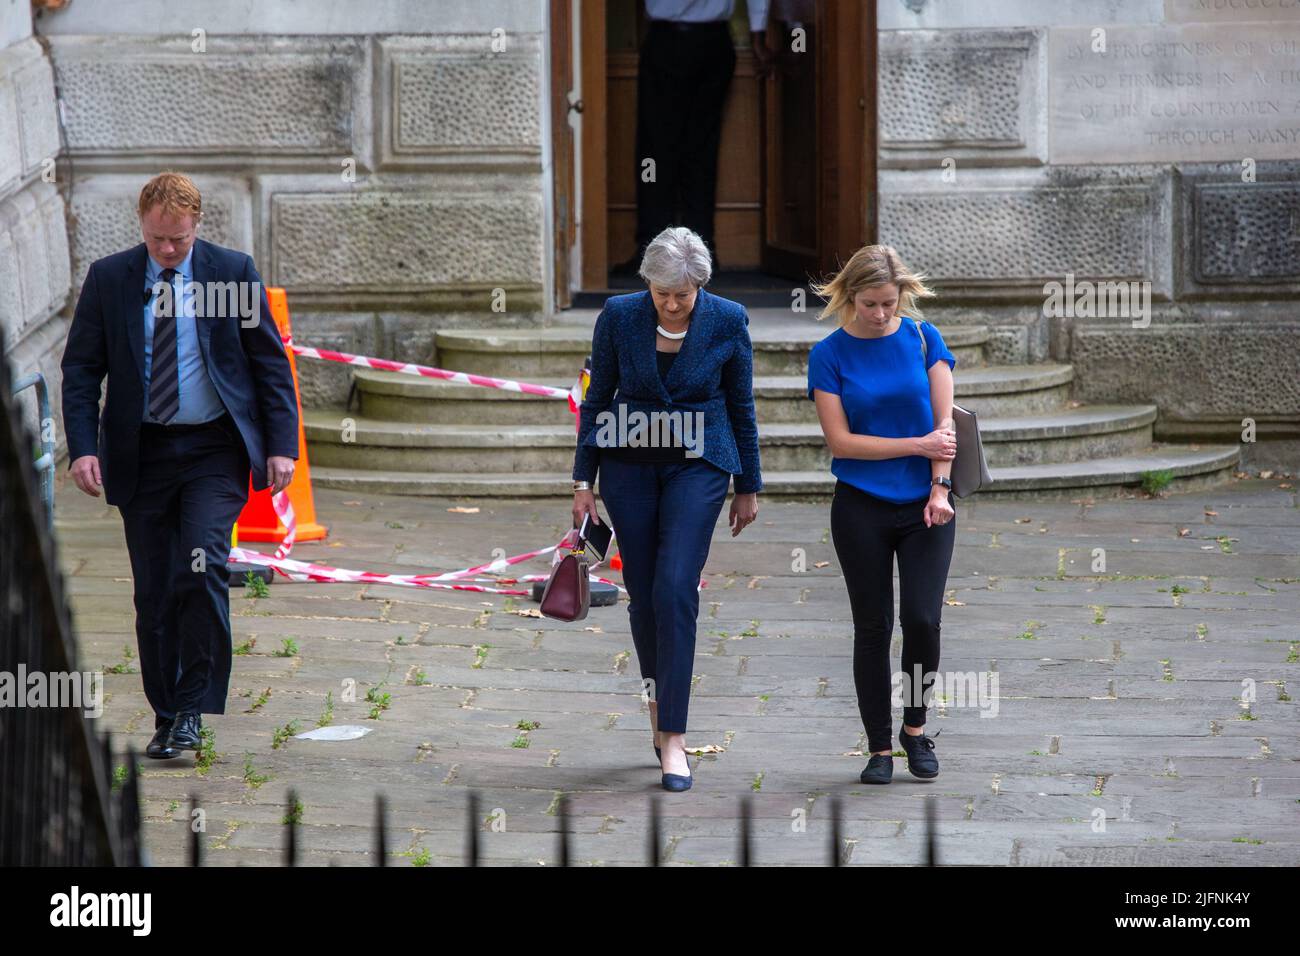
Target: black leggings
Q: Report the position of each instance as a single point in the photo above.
(868, 532)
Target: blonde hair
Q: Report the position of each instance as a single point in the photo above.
(175, 192)
(869, 267)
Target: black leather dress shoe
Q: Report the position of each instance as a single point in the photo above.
(158, 748)
(185, 732)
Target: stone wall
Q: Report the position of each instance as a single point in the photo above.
(384, 161)
(34, 269)
(1135, 142)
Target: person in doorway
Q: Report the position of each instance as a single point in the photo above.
(684, 69)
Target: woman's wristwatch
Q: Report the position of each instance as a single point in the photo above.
(942, 480)
(582, 486)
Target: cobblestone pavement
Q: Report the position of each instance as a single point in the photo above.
(1121, 728)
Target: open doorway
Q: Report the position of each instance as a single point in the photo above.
(796, 160)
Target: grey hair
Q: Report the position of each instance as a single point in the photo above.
(675, 257)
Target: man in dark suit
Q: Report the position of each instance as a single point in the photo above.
(199, 391)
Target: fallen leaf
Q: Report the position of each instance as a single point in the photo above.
(459, 510)
(1212, 514)
(821, 564)
(1023, 520)
(1184, 532)
(706, 749)
(594, 630)
(1266, 474)
(1284, 485)
(527, 612)
(955, 603)
(352, 502)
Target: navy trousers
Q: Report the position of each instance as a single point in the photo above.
(664, 516)
(193, 483)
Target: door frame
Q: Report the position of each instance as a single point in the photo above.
(594, 271)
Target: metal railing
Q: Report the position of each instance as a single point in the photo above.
(835, 844)
(61, 804)
(44, 465)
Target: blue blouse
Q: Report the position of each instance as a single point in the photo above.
(884, 386)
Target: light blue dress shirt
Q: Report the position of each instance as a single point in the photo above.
(706, 11)
(199, 401)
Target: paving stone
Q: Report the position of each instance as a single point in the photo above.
(1086, 719)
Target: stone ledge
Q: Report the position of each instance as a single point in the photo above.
(968, 95)
(1190, 371)
(313, 96)
(460, 235)
(452, 100)
(29, 128)
(34, 247)
(1007, 233)
(1239, 239)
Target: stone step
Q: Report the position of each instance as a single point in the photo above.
(1063, 435)
(989, 391)
(779, 349)
(1194, 467)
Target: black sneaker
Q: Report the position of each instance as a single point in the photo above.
(921, 761)
(879, 769)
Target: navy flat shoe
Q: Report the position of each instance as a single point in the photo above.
(677, 782)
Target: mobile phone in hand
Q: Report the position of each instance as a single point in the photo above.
(597, 536)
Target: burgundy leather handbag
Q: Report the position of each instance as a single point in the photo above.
(567, 595)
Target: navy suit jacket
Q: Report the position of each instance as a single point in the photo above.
(713, 373)
(248, 368)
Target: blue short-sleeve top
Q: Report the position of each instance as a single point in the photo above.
(884, 386)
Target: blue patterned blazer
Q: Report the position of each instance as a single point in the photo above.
(713, 373)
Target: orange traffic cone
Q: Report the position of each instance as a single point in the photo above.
(258, 521)
(616, 562)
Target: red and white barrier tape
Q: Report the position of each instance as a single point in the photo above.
(463, 378)
(311, 571)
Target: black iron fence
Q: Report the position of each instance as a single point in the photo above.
(835, 847)
(60, 801)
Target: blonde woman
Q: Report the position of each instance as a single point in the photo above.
(886, 410)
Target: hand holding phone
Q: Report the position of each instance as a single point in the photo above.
(597, 536)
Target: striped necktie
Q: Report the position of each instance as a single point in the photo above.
(164, 373)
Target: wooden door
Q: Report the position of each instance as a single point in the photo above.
(819, 147)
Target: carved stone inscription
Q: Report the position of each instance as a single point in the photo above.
(1176, 93)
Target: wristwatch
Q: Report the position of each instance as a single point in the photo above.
(941, 480)
(582, 486)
